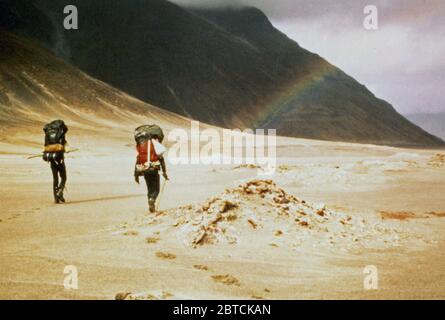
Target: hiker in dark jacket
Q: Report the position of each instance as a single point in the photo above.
(155, 163)
(54, 153)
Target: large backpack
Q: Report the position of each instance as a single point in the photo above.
(55, 133)
(145, 149)
(148, 132)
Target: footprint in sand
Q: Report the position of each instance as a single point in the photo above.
(152, 240)
(226, 279)
(130, 233)
(14, 216)
(166, 256)
(201, 267)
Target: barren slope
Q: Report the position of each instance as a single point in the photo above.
(36, 87)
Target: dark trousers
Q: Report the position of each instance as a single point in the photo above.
(152, 180)
(58, 169)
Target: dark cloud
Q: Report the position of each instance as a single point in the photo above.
(398, 11)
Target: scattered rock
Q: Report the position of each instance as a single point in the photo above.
(201, 267)
(303, 223)
(231, 217)
(151, 240)
(435, 214)
(403, 215)
(131, 233)
(437, 161)
(227, 206)
(167, 256)
(397, 215)
(227, 280)
(166, 295)
(252, 223)
(122, 295)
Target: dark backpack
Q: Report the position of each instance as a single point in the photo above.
(144, 133)
(55, 132)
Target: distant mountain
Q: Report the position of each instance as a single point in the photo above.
(227, 67)
(431, 122)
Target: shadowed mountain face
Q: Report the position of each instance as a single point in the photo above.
(228, 67)
(36, 87)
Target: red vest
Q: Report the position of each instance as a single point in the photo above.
(143, 153)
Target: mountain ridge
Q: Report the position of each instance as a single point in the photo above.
(226, 67)
(37, 87)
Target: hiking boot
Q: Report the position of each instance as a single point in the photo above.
(56, 197)
(151, 205)
(60, 195)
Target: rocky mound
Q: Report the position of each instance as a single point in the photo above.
(259, 209)
(437, 161)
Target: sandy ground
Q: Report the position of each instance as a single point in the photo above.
(118, 247)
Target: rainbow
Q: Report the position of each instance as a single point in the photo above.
(281, 102)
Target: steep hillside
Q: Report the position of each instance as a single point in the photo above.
(228, 67)
(36, 87)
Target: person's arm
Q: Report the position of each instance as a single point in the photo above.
(136, 176)
(66, 146)
(64, 142)
(164, 169)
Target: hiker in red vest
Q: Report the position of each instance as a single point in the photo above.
(150, 160)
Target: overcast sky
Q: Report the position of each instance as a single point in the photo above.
(402, 62)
